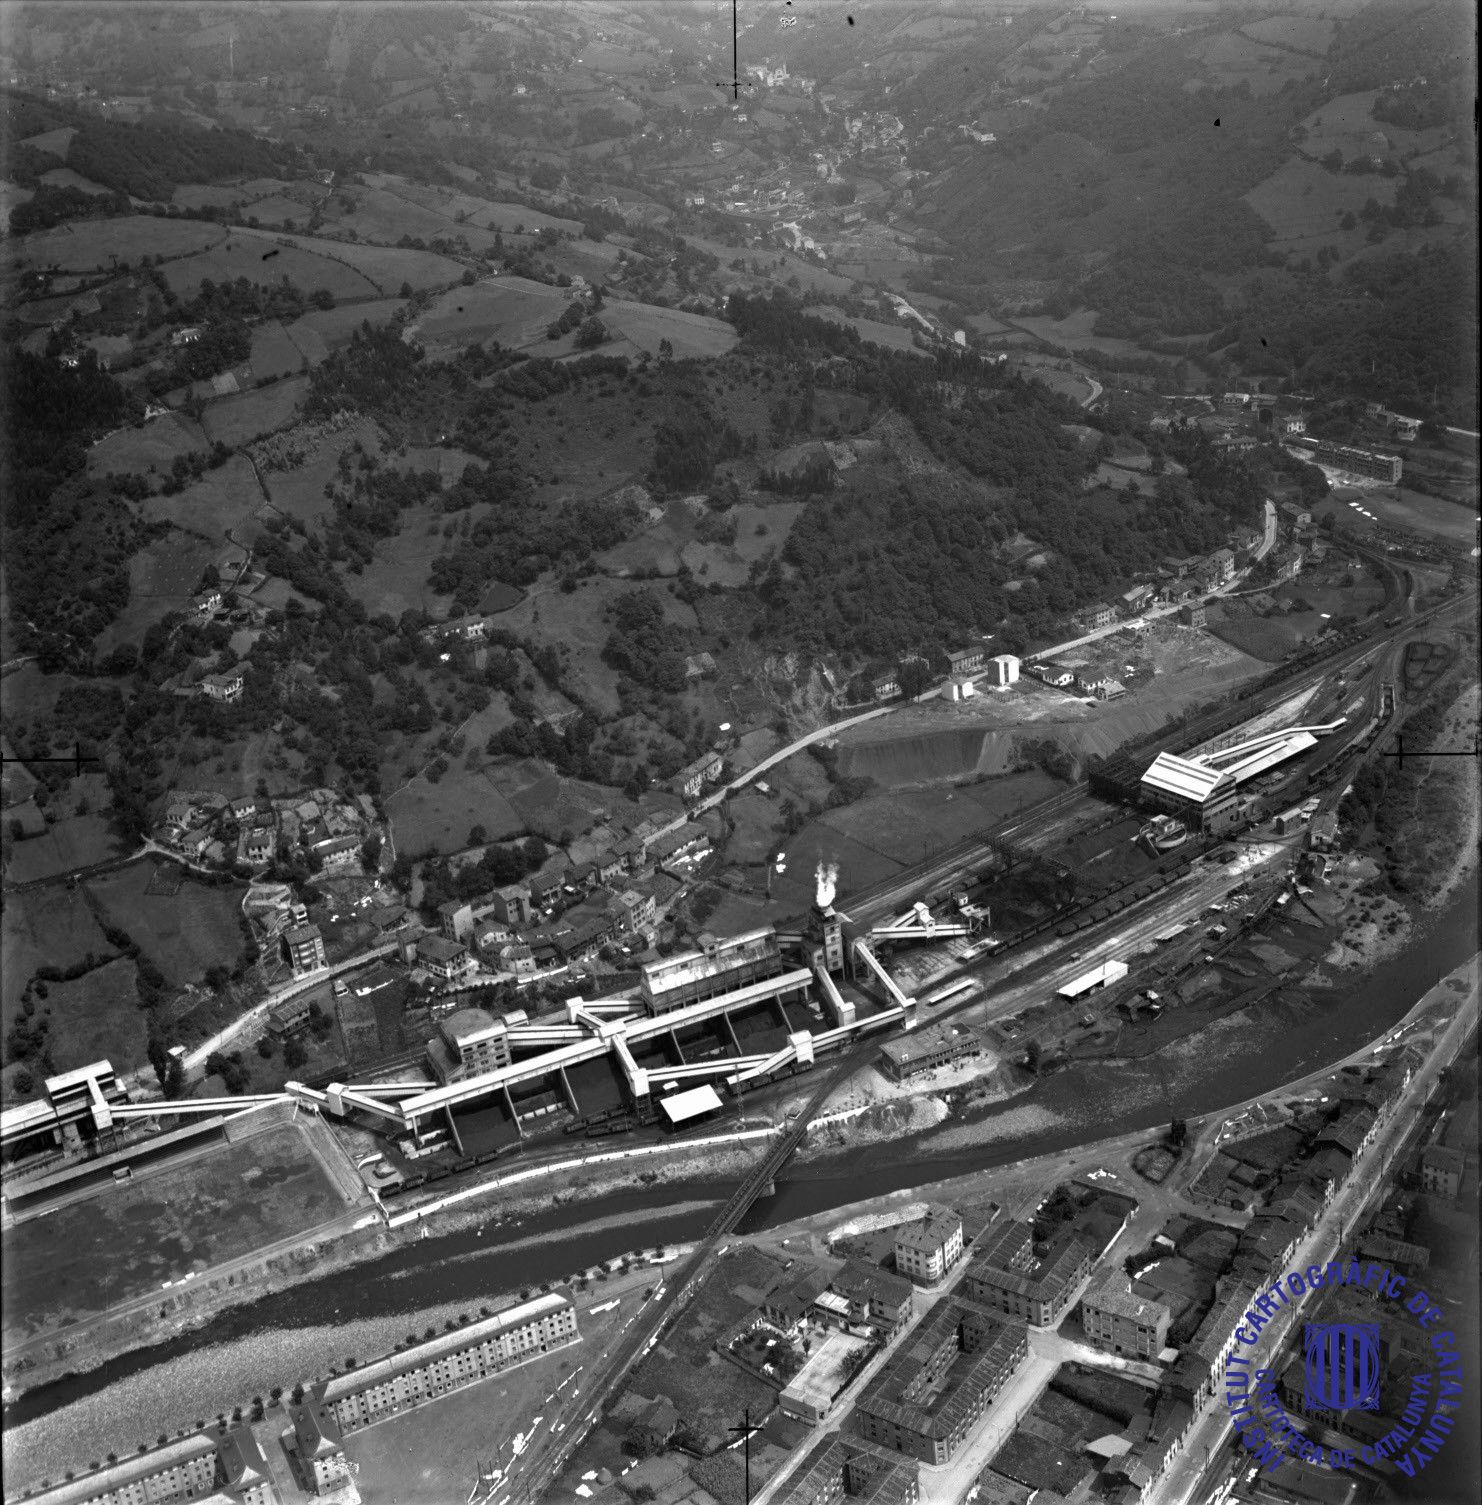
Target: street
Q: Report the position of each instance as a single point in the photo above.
(1184, 1482)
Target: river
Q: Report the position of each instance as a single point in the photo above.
(1259, 1050)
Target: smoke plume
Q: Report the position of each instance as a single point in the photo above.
(826, 878)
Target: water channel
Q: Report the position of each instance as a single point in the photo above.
(1259, 1050)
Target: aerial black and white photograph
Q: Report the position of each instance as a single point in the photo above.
(739, 752)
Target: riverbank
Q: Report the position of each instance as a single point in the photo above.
(281, 1347)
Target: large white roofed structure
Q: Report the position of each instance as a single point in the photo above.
(1183, 777)
(680, 1107)
(1196, 779)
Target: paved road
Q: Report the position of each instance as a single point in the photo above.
(605, 1376)
(317, 979)
(784, 753)
(1185, 1482)
(1268, 538)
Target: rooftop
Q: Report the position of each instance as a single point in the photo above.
(927, 1236)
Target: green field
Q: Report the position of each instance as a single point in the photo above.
(273, 352)
(238, 420)
(47, 926)
(385, 267)
(1429, 516)
(221, 499)
(162, 577)
(182, 936)
(1297, 33)
(1302, 198)
(643, 325)
(152, 447)
(261, 260)
(428, 817)
(96, 245)
(891, 336)
(97, 1017)
(128, 1239)
(1234, 59)
(512, 310)
(78, 842)
(300, 492)
(396, 578)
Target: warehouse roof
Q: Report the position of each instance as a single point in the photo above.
(680, 1107)
(1180, 776)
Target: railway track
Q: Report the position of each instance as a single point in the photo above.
(672, 1300)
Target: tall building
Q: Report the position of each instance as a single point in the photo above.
(305, 948)
(946, 1374)
(925, 1251)
(826, 932)
(1117, 1321)
(1006, 1276)
(448, 1362)
(468, 1044)
(1003, 669)
(718, 966)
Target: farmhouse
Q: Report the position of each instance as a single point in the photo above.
(694, 776)
(256, 845)
(223, 687)
(448, 960)
(1052, 674)
(338, 853)
(289, 1017)
(205, 603)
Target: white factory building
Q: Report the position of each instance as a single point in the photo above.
(1209, 785)
(1003, 669)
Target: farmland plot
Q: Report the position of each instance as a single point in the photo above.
(96, 245)
(1302, 198)
(182, 936)
(257, 257)
(152, 447)
(52, 926)
(238, 420)
(273, 352)
(513, 310)
(221, 499)
(384, 268)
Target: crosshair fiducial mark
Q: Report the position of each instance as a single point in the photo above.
(1398, 752)
(76, 759)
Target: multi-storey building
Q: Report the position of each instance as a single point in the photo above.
(850, 1470)
(1441, 1170)
(458, 1358)
(1116, 1320)
(1003, 669)
(1360, 462)
(1005, 1275)
(305, 948)
(223, 1468)
(926, 1049)
(445, 959)
(946, 1374)
(468, 1044)
(925, 1251)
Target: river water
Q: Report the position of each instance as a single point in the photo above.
(1263, 1048)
